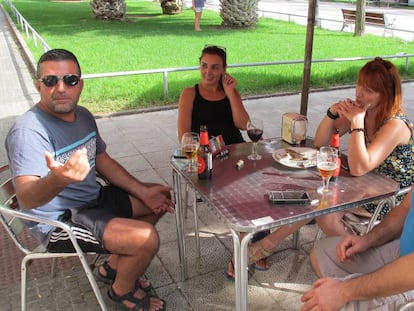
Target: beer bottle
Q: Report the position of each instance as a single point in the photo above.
(335, 144)
(204, 158)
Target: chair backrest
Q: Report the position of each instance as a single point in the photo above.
(361, 224)
(8, 200)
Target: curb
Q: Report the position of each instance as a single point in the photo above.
(27, 54)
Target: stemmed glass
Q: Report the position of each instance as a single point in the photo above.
(255, 132)
(326, 161)
(190, 142)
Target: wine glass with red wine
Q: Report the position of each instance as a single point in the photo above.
(255, 132)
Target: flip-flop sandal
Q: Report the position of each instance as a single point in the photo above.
(261, 267)
(140, 304)
(228, 275)
(109, 278)
(232, 277)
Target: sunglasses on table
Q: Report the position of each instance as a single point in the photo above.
(69, 80)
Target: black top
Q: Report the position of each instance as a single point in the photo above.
(217, 116)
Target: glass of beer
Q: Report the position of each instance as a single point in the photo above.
(326, 161)
(189, 145)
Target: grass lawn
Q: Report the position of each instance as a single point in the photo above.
(150, 40)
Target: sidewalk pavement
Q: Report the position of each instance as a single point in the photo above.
(143, 143)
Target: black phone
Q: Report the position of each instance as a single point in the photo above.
(289, 196)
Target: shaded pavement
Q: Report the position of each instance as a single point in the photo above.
(143, 143)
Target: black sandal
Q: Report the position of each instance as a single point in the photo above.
(140, 304)
(109, 278)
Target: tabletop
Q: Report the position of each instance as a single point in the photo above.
(240, 196)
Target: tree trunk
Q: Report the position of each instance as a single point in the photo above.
(239, 13)
(360, 18)
(171, 7)
(109, 9)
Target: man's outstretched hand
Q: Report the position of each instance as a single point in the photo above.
(74, 170)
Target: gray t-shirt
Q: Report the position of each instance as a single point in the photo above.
(33, 133)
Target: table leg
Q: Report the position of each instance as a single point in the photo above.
(241, 269)
(196, 229)
(179, 221)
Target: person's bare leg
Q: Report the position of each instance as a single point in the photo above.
(142, 213)
(315, 263)
(197, 19)
(331, 224)
(269, 243)
(135, 243)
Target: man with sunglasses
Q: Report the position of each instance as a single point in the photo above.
(55, 151)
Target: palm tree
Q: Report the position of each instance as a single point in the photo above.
(171, 7)
(360, 18)
(239, 14)
(109, 9)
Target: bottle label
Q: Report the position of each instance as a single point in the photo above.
(337, 170)
(201, 165)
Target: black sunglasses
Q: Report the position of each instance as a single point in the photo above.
(69, 80)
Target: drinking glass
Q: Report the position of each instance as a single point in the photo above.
(326, 161)
(190, 142)
(255, 132)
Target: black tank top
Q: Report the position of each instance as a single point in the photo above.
(217, 116)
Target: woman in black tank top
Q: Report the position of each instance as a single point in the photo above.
(215, 101)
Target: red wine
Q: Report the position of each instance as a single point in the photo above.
(255, 134)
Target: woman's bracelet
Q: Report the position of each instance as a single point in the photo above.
(359, 129)
(331, 115)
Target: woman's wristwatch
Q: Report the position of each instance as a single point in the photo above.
(331, 115)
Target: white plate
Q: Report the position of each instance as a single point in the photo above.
(283, 158)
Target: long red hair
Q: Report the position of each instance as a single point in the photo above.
(383, 77)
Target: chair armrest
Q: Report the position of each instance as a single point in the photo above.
(41, 220)
(18, 214)
(407, 307)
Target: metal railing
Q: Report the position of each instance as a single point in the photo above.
(165, 71)
(292, 17)
(27, 28)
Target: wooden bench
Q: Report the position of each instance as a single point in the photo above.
(371, 18)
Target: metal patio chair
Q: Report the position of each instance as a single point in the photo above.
(13, 221)
(409, 306)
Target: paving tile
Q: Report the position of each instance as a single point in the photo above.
(143, 143)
